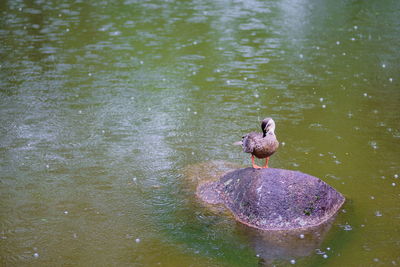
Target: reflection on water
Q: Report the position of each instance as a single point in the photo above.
(103, 105)
(286, 245)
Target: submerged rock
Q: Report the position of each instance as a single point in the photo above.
(273, 199)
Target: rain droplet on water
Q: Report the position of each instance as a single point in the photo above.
(137, 240)
(346, 227)
(116, 33)
(378, 213)
(373, 144)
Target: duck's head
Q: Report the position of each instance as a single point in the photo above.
(267, 125)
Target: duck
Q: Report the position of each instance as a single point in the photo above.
(261, 145)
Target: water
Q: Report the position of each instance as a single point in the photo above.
(104, 104)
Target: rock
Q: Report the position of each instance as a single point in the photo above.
(273, 199)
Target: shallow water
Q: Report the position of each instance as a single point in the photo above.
(104, 104)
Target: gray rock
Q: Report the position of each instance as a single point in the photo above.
(273, 199)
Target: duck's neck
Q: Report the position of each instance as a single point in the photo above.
(270, 132)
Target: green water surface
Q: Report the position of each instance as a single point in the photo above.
(103, 104)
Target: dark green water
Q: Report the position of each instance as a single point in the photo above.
(104, 103)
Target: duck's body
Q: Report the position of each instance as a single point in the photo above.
(262, 145)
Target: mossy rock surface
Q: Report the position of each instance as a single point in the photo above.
(273, 199)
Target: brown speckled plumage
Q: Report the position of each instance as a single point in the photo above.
(259, 146)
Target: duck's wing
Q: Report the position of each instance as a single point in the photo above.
(250, 141)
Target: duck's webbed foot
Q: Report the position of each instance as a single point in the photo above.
(255, 166)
